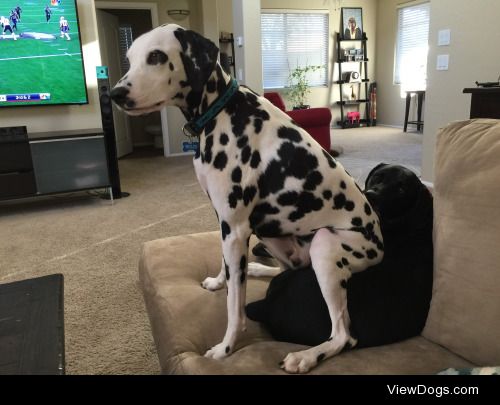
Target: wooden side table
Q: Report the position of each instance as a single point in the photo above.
(32, 326)
(485, 102)
(420, 99)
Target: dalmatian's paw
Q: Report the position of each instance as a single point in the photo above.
(212, 283)
(260, 270)
(299, 362)
(218, 351)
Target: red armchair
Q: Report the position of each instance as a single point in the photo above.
(316, 121)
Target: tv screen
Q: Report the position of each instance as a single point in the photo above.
(41, 59)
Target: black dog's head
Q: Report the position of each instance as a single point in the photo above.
(396, 193)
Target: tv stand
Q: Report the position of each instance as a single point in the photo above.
(53, 162)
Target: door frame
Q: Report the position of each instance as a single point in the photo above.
(153, 8)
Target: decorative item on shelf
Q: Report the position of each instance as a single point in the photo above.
(298, 85)
(352, 23)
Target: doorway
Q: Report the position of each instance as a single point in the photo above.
(118, 25)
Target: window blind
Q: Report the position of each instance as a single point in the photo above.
(291, 40)
(412, 46)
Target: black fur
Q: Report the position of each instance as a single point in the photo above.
(388, 302)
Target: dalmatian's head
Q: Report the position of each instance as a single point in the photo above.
(167, 64)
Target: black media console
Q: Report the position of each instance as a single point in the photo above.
(51, 162)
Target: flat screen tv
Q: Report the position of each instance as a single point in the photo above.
(41, 60)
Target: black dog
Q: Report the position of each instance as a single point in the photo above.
(386, 303)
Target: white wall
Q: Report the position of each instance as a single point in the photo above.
(474, 55)
(61, 118)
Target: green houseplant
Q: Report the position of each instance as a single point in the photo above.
(298, 85)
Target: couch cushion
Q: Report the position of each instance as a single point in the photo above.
(186, 320)
(465, 307)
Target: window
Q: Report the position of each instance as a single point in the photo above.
(290, 40)
(412, 47)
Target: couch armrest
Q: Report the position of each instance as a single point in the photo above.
(311, 117)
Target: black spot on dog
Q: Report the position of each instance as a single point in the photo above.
(313, 180)
(243, 263)
(345, 262)
(210, 126)
(260, 212)
(371, 254)
(183, 83)
(257, 124)
(156, 58)
(357, 221)
(343, 284)
(178, 96)
(347, 248)
(290, 134)
(209, 143)
(225, 228)
(349, 206)
(236, 175)
(255, 160)
(171, 66)
(270, 229)
(220, 161)
(242, 142)
(169, 82)
(339, 201)
(288, 198)
(246, 153)
(329, 158)
(343, 185)
(226, 267)
(368, 210)
(235, 196)
(228, 349)
(307, 202)
(340, 265)
(129, 84)
(358, 255)
(320, 357)
(224, 139)
(327, 194)
(242, 108)
(249, 194)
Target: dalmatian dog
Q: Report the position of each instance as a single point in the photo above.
(264, 175)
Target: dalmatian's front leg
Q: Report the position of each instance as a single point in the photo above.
(334, 256)
(235, 256)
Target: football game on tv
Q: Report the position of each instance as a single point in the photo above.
(41, 59)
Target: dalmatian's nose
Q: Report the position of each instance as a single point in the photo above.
(120, 96)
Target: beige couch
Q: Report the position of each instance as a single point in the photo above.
(463, 327)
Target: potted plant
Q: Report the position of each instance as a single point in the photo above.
(298, 85)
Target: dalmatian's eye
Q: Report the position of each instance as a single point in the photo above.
(156, 58)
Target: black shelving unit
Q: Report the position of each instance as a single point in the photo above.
(227, 46)
(361, 83)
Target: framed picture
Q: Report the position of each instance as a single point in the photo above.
(352, 23)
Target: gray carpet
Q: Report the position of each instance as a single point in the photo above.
(97, 245)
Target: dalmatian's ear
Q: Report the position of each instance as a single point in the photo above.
(199, 57)
(372, 172)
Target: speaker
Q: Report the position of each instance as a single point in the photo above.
(108, 128)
